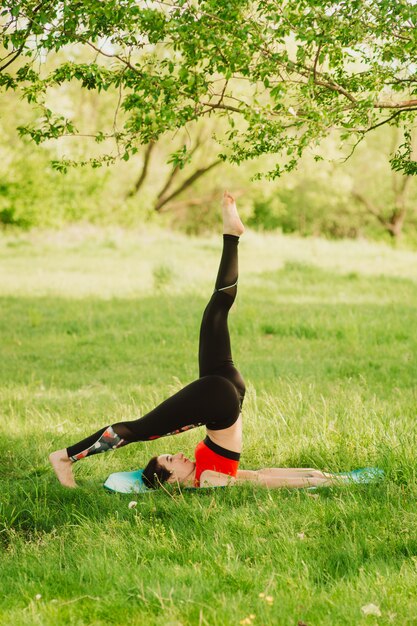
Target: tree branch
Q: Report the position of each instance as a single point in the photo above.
(26, 35)
(335, 87)
(370, 207)
(144, 171)
(316, 61)
(395, 105)
(388, 119)
(113, 56)
(189, 181)
(406, 180)
(175, 171)
(193, 202)
(226, 107)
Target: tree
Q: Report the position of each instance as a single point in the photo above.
(283, 74)
(168, 192)
(389, 209)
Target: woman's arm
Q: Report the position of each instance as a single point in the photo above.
(276, 477)
(273, 478)
(210, 478)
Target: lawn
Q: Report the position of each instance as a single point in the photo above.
(100, 325)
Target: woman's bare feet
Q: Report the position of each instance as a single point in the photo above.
(63, 468)
(232, 224)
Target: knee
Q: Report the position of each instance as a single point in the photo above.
(242, 389)
(235, 377)
(225, 397)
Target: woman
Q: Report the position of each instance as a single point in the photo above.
(214, 400)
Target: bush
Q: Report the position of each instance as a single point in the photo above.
(264, 216)
(33, 194)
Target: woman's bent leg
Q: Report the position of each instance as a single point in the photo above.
(211, 400)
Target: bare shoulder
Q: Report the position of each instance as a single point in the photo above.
(210, 478)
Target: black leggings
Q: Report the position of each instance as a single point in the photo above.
(215, 399)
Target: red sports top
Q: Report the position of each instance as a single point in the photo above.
(210, 456)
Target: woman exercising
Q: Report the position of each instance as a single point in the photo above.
(214, 400)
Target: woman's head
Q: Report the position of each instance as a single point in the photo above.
(169, 468)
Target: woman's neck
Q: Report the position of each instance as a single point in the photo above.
(189, 480)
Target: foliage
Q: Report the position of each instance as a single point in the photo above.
(338, 198)
(33, 194)
(307, 208)
(403, 161)
(283, 74)
(264, 217)
(316, 198)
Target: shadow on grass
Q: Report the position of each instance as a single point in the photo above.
(345, 529)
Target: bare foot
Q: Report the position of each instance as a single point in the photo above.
(232, 224)
(63, 468)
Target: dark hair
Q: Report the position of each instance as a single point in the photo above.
(154, 474)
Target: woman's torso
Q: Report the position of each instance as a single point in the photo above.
(211, 456)
(221, 449)
(229, 438)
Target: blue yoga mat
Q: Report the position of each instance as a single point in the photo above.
(363, 476)
(132, 482)
(126, 482)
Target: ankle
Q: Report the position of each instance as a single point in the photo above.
(60, 455)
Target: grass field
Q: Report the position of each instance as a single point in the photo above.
(98, 326)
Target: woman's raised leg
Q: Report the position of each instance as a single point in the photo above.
(215, 353)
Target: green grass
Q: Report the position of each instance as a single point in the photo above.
(98, 326)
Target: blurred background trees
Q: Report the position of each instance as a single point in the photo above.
(306, 110)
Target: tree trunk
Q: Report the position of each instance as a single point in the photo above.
(394, 223)
(399, 212)
(162, 201)
(174, 173)
(144, 171)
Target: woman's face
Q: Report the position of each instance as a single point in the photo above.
(180, 467)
